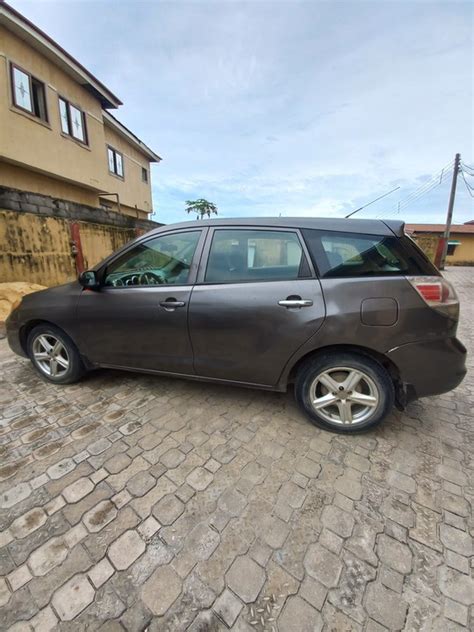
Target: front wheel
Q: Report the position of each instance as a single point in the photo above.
(344, 392)
(54, 355)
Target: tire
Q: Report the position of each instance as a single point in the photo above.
(54, 355)
(354, 387)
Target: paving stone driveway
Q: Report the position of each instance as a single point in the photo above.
(135, 502)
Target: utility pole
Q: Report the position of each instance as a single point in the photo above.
(449, 218)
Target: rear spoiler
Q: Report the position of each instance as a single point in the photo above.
(396, 226)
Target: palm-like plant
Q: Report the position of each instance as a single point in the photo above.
(201, 207)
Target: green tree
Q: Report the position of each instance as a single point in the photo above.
(201, 207)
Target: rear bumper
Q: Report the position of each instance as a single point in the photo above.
(431, 367)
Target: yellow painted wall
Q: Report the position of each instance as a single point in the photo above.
(28, 142)
(34, 249)
(37, 249)
(429, 244)
(98, 241)
(464, 253)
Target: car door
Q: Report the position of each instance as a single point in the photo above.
(256, 301)
(138, 317)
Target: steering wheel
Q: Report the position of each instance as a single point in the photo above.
(150, 278)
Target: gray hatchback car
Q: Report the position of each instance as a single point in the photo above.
(349, 311)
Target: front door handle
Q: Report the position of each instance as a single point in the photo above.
(296, 302)
(171, 304)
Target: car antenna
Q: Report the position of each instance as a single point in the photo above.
(369, 203)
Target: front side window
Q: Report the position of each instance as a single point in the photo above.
(253, 255)
(28, 93)
(73, 120)
(341, 255)
(115, 160)
(162, 260)
(144, 175)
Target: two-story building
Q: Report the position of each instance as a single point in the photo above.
(61, 148)
(57, 134)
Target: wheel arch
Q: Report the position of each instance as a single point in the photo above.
(31, 324)
(380, 358)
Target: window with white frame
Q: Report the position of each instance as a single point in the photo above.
(28, 93)
(73, 120)
(115, 160)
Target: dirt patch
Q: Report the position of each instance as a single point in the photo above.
(12, 293)
(48, 449)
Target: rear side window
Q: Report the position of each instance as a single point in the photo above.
(341, 255)
(238, 256)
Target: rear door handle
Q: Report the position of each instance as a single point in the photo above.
(296, 302)
(171, 304)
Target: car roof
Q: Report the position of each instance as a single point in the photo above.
(361, 226)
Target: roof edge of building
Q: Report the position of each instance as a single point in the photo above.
(19, 24)
(114, 123)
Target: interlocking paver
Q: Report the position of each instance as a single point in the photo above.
(385, 606)
(76, 491)
(396, 555)
(161, 590)
(199, 479)
(228, 607)
(28, 522)
(101, 572)
(4, 592)
(226, 507)
(46, 557)
(126, 549)
(323, 565)
(299, 616)
(100, 515)
(73, 597)
(168, 509)
(245, 578)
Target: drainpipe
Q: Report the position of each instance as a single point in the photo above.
(117, 197)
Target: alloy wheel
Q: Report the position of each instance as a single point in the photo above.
(344, 395)
(50, 355)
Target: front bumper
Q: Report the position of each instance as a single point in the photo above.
(12, 326)
(430, 368)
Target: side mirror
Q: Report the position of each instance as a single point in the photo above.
(88, 279)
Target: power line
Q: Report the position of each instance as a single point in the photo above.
(423, 189)
(468, 168)
(469, 188)
(434, 180)
(413, 198)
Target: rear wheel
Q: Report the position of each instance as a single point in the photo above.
(54, 355)
(344, 392)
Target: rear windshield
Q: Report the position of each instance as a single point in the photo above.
(337, 255)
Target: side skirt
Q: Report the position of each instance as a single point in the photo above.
(197, 378)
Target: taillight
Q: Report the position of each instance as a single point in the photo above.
(437, 293)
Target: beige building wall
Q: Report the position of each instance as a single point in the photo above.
(36, 147)
(17, 177)
(133, 192)
(464, 253)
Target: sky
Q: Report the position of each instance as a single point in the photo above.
(286, 107)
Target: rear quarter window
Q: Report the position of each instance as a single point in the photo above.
(342, 255)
